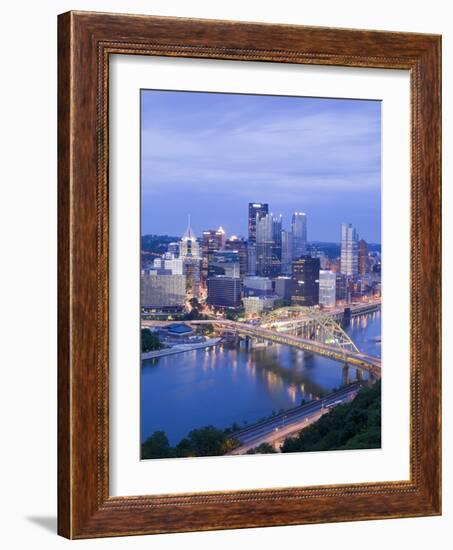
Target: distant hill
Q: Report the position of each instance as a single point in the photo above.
(157, 243)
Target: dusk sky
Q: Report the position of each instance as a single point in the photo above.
(209, 155)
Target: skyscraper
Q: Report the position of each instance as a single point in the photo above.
(188, 246)
(189, 252)
(287, 251)
(305, 276)
(277, 222)
(239, 245)
(349, 250)
(211, 242)
(257, 210)
(268, 248)
(299, 231)
(364, 260)
(327, 288)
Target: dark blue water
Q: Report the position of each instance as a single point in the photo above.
(233, 383)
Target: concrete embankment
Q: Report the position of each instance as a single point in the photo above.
(180, 348)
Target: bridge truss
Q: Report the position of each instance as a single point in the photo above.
(310, 323)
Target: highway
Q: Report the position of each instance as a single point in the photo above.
(289, 422)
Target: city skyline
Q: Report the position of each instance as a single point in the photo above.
(329, 151)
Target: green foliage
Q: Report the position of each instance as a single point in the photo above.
(157, 446)
(157, 244)
(234, 314)
(150, 341)
(281, 302)
(206, 329)
(355, 425)
(208, 441)
(263, 449)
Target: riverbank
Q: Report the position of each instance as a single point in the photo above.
(181, 348)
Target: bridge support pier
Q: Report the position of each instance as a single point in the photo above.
(345, 374)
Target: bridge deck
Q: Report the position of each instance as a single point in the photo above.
(357, 359)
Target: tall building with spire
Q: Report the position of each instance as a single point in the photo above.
(299, 231)
(188, 245)
(189, 252)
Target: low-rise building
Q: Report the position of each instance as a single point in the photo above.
(258, 304)
(160, 289)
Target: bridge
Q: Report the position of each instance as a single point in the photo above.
(340, 349)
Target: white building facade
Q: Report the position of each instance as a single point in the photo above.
(327, 288)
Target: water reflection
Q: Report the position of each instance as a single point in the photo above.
(238, 383)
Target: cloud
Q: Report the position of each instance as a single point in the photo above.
(251, 146)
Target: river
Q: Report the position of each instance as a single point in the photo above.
(235, 383)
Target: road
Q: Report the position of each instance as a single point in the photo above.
(276, 429)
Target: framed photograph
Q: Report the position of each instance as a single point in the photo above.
(249, 275)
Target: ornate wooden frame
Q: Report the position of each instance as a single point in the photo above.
(85, 41)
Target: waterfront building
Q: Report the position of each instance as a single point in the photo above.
(283, 287)
(327, 288)
(211, 242)
(305, 281)
(224, 262)
(287, 251)
(257, 304)
(268, 249)
(239, 245)
(349, 250)
(299, 232)
(160, 289)
(224, 291)
(257, 210)
(363, 258)
(257, 286)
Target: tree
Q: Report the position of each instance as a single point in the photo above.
(355, 425)
(263, 448)
(150, 341)
(157, 446)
